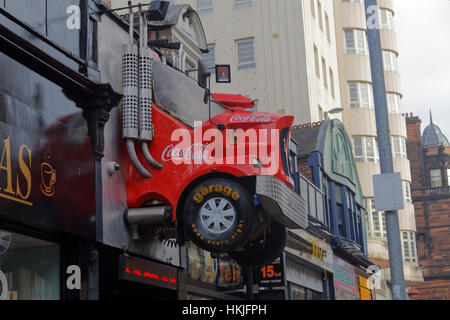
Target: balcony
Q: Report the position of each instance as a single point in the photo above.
(438, 190)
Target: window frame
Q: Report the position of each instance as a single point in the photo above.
(394, 101)
(399, 147)
(204, 6)
(247, 64)
(390, 61)
(375, 158)
(435, 176)
(409, 246)
(360, 103)
(242, 3)
(358, 47)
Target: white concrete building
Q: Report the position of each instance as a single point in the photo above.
(306, 57)
(280, 54)
(359, 119)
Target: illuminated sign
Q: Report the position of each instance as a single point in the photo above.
(271, 275)
(147, 272)
(344, 276)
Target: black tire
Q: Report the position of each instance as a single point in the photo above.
(263, 252)
(218, 215)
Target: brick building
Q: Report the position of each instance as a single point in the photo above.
(429, 155)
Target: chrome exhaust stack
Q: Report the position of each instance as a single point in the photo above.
(146, 128)
(130, 70)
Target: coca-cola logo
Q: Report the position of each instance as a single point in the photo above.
(251, 118)
(196, 151)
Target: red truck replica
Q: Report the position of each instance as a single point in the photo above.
(203, 164)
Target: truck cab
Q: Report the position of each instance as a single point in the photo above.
(214, 171)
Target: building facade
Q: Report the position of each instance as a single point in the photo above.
(429, 154)
(328, 178)
(282, 53)
(359, 118)
(53, 108)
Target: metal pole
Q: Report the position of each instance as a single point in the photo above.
(384, 145)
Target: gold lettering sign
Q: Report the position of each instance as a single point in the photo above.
(21, 193)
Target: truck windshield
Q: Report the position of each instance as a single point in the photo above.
(180, 95)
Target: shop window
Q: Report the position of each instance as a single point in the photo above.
(29, 268)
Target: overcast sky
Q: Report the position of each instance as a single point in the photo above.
(423, 32)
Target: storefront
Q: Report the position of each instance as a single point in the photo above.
(336, 236)
(208, 278)
(309, 267)
(51, 115)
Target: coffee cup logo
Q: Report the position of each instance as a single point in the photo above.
(48, 178)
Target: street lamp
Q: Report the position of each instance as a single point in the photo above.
(333, 111)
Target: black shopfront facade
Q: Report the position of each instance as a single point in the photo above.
(52, 113)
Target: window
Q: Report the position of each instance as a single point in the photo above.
(319, 13)
(242, 3)
(407, 191)
(386, 19)
(204, 6)
(30, 268)
(324, 73)
(365, 149)
(399, 147)
(356, 41)
(390, 60)
(436, 178)
(316, 61)
(210, 58)
(376, 221)
(394, 101)
(246, 54)
(327, 25)
(409, 246)
(332, 83)
(361, 95)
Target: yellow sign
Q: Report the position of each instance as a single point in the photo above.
(48, 177)
(22, 180)
(364, 289)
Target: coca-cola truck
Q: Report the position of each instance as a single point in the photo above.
(205, 166)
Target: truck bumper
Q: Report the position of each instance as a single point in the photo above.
(281, 203)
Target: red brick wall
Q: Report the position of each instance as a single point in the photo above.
(414, 149)
(432, 217)
(304, 168)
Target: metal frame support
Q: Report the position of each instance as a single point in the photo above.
(384, 145)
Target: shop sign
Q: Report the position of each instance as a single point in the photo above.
(271, 275)
(46, 159)
(303, 276)
(344, 276)
(364, 289)
(147, 272)
(224, 273)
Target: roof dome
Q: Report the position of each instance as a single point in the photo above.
(433, 136)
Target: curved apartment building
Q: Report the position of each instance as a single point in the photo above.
(359, 119)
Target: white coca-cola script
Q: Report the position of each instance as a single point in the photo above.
(196, 151)
(251, 118)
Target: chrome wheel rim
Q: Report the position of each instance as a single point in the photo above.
(218, 215)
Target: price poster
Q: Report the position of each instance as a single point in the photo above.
(272, 275)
